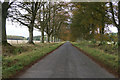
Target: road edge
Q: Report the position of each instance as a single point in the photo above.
(98, 62)
(30, 65)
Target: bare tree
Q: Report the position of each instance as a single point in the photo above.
(55, 18)
(42, 19)
(47, 18)
(25, 14)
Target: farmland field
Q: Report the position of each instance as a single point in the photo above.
(20, 41)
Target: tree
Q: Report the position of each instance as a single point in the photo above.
(49, 27)
(55, 18)
(116, 22)
(25, 14)
(0, 22)
(5, 14)
(87, 26)
(64, 32)
(42, 19)
(103, 18)
(83, 26)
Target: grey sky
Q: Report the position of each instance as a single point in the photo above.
(18, 30)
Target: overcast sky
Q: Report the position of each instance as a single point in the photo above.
(18, 30)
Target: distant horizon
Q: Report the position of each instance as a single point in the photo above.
(23, 36)
(20, 30)
(37, 35)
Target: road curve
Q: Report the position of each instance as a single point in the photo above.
(66, 62)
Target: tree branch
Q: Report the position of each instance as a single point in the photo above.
(113, 16)
(21, 22)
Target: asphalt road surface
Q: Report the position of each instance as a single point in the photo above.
(66, 62)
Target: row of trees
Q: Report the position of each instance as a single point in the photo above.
(90, 20)
(48, 17)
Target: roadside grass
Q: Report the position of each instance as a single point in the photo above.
(16, 49)
(109, 60)
(14, 63)
(108, 48)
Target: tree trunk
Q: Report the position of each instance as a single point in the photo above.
(54, 38)
(57, 39)
(119, 50)
(119, 39)
(42, 36)
(51, 38)
(0, 22)
(30, 41)
(4, 38)
(48, 38)
(102, 31)
(101, 35)
(4, 16)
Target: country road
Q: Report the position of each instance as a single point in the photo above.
(66, 62)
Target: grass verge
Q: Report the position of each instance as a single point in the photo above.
(106, 60)
(15, 63)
